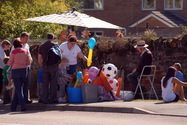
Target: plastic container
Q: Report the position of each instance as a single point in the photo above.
(89, 93)
(74, 94)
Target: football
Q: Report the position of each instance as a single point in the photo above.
(110, 70)
(113, 83)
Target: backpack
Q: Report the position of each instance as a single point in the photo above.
(54, 55)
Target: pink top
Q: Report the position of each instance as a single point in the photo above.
(19, 59)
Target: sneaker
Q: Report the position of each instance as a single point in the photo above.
(61, 100)
(28, 102)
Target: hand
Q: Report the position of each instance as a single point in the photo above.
(133, 70)
(70, 76)
(9, 84)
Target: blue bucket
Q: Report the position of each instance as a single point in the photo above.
(74, 94)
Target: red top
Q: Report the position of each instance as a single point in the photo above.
(19, 58)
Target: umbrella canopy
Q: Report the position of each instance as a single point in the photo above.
(76, 19)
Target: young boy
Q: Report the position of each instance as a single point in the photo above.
(40, 86)
(178, 75)
(6, 82)
(63, 78)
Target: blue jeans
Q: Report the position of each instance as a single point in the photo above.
(18, 76)
(132, 78)
(27, 84)
(72, 69)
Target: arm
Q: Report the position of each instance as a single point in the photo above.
(40, 59)
(11, 59)
(177, 81)
(2, 55)
(80, 55)
(28, 60)
(61, 52)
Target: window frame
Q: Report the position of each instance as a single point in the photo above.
(99, 32)
(173, 6)
(94, 6)
(149, 9)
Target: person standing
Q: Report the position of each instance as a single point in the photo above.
(49, 72)
(27, 84)
(5, 45)
(19, 59)
(6, 81)
(40, 86)
(71, 50)
(146, 58)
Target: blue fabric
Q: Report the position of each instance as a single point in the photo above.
(40, 76)
(18, 76)
(27, 84)
(179, 76)
(72, 69)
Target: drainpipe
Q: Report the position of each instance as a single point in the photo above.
(125, 31)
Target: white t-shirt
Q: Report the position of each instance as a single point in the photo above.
(167, 93)
(70, 54)
(2, 56)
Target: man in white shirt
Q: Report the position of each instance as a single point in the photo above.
(24, 39)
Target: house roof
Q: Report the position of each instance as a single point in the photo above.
(170, 19)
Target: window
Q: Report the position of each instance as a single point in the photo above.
(92, 4)
(173, 4)
(96, 33)
(148, 4)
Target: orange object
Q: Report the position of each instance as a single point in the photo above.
(85, 78)
(97, 79)
(105, 82)
(119, 81)
(85, 72)
(63, 35)
(85, 34)
(119, 88)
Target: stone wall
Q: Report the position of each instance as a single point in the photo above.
(122, 53)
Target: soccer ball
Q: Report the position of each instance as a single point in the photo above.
(113, 83)
(110, 70)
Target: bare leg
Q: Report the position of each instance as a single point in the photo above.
(178, 89)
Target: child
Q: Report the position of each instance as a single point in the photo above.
(6, 82)
(63, 78)
(178, 75)
(40, 86)
(172, 88)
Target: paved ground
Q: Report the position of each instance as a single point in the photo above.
(154, 107)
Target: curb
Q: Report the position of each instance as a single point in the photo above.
(78, 107)
(87, 107)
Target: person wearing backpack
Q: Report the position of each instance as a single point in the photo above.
(49, 71)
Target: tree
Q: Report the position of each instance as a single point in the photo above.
(12, 12)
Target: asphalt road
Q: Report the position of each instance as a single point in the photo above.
(85, 118)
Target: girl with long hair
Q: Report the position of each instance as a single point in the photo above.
(172, 88)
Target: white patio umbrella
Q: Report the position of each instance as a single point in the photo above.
(76, 19)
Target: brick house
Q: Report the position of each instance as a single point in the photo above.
(164, 16)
